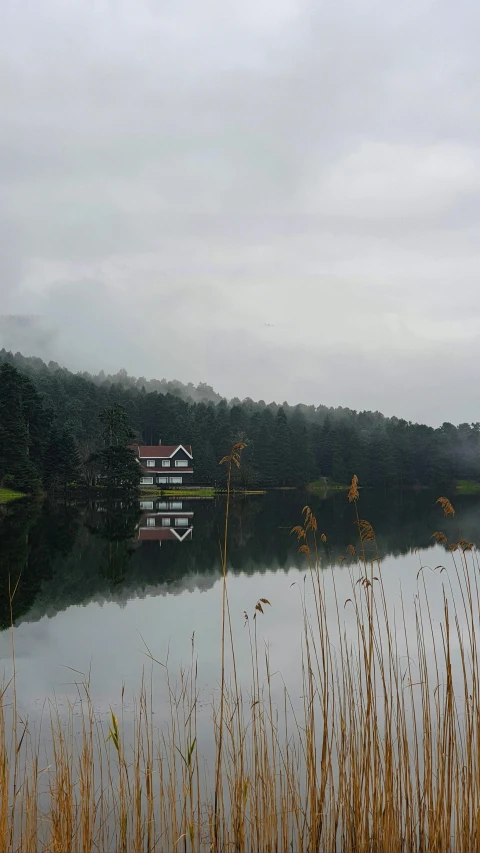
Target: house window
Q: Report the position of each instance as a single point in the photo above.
(175, 480)
(166, 522)
(162, 505)
(165, 463)
(162, 479)
(150, 463)
(181, 522)
(146, 481)
(181, 463)
(150, 522)
(176, 504)
(146, 504)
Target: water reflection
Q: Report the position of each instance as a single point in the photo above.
(165, 520)
(56, 556)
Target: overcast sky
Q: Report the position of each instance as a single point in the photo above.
(278, 197)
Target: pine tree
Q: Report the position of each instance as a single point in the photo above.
(264, 451)
(62, 460)
(222, 435)
(382, 471)
(117, 468)
(116, 430)
(284, 465)
(325, 448)
(16, 468)
(303, 462)
(339, 458)
(116, 462)
(284, 446)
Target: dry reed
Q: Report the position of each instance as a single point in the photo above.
(383, 754)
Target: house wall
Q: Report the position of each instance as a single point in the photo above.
(167, 475)
(171, 478)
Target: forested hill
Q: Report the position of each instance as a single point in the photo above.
(286, 446)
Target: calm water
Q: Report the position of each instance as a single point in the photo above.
(96, 582)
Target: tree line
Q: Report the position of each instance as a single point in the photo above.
(54, 429)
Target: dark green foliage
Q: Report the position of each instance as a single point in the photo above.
(116, 465)
(62, 464)
(286, 446)
(18, 432)
(285, 469)
(116, 429)
(117, 468)
(265, 455)
(35, 450)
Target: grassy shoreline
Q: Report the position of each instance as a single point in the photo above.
(197, 493)
(179, 493)
(467, 486)
(324, 484)
(7, 495)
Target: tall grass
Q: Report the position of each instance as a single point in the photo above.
(382, 753)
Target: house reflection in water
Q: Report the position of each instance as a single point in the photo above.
(164, 520)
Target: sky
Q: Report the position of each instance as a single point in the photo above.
(280, 198)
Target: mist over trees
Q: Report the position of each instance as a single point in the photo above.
(43, 407)
(197, 393)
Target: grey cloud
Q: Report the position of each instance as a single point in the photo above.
(11, 262)
(28, 334)
(256, 361)
(173, 173)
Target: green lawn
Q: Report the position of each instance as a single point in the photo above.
(324, 484)
(468, 486)
(189, 493)
(206, 492)
(179, 493)
(7, 495)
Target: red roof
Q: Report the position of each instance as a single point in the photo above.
(163, 534)
(161, 451)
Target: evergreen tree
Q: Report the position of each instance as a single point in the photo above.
(303, 460)
(264, 452)
(116, 430)
(116, 463)
(222, 434)
(117, 468)
(286, 445)
(17, 470)
(382, 465)
(62, 460)
(283, 445)
(205, 461)
(340, 473)
(325, 448)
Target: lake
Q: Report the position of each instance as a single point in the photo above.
(377, 660)
(98, 584)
